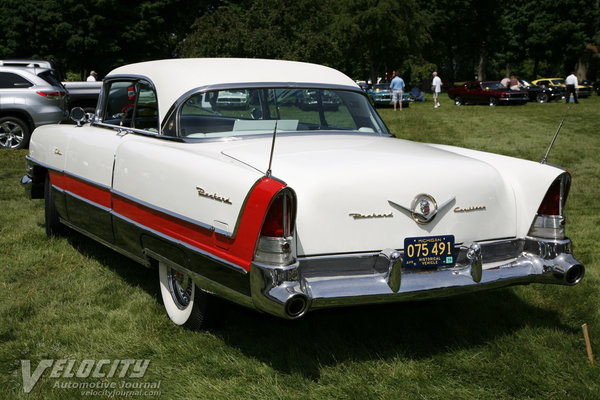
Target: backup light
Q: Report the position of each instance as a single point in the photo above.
(276, 237)
(549, 221)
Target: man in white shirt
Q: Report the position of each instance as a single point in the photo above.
(93, 77)
(572, 85)
(436, 88)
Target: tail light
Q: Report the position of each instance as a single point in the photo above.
(51, 94)
(549, 221)
(275, 243)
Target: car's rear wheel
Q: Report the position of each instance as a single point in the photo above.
(14, 133)
(184, 303)
(51, 221)
(458, 101)
(541, 98)
(493, 102)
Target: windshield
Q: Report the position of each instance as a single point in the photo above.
(382, 86)
(493, 86)
(237, 112)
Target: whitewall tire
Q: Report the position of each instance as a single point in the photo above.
(184, 303)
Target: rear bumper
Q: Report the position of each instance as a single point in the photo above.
(333, 281)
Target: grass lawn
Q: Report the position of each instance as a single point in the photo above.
(70, 298)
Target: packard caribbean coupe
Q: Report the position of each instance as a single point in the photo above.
(285, 208)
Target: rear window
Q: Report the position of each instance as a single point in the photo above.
(255, 111)
(50, 78)
(9, 80)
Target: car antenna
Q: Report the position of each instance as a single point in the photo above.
(544, 160)
(272, 149)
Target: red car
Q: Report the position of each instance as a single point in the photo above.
(486, 92)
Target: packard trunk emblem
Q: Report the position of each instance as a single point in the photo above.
(423, 208)
(427, 207)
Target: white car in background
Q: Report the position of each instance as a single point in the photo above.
(284, 208)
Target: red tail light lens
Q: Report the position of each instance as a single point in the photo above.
(275, 244)
(52, 94)
(556, 196)
(280, 217)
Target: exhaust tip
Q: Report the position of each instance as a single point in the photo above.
(296, 306)
(575, 274)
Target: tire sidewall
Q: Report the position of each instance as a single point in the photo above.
(177, 315)
(51, 217)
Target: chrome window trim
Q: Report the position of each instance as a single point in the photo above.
(103, 97)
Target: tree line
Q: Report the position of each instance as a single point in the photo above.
(461, 39)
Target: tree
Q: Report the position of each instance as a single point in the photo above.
(99, 34)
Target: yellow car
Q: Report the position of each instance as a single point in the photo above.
(582, 90)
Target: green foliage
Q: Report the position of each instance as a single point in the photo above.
(88, 34)
(360, 37)
(464, 39)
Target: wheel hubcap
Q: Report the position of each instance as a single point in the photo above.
(180, 287)
(11, 134)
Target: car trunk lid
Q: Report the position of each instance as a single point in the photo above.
(365, 194)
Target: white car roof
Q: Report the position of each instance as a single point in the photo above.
(175, 77)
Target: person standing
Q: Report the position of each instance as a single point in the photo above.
(93, 77)
(572, 86)
(514, 83)
(397, 88)
(436, 88)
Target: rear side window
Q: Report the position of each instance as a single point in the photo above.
(8, 80)
(132, 104)
(50, 78)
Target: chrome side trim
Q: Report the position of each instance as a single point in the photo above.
(197, 223)
(187, 246)
(83, 199)
(119, 250)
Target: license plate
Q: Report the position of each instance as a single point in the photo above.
(429, 251)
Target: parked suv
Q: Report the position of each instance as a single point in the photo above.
(29, 97)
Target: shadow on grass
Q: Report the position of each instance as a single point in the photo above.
(413, 330)
(133, 273)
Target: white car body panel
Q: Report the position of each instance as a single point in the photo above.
(173, 184)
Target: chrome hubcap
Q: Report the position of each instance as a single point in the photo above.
(11, 134)
(180, 287)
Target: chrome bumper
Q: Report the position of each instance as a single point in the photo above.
(318, 282)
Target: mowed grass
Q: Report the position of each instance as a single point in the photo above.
(70, 298)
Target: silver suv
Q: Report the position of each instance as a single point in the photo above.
(29, 97)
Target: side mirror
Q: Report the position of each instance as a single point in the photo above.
(79, 116)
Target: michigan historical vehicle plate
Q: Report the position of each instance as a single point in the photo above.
(429, 252)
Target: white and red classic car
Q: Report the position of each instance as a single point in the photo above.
(286, 208)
